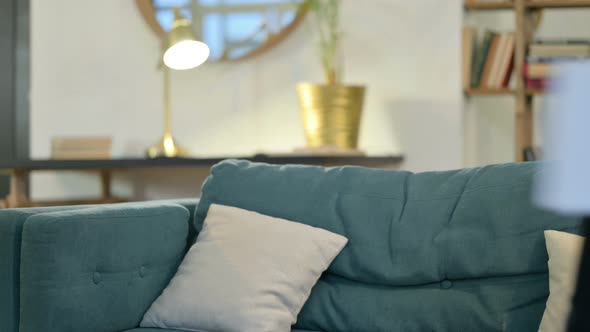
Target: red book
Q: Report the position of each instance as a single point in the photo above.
(507, 64)
(508, 73)
(536, 83)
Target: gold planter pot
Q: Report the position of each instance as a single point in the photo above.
(331, 114)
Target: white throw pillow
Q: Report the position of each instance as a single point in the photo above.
(565, 253)
(246, 272)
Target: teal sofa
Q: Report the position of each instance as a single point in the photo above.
(439, 251)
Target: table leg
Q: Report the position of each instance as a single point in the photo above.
(105, 177)
(18, 189)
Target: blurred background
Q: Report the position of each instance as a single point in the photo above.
(443, 85)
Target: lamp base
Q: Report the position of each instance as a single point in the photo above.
(167, 148)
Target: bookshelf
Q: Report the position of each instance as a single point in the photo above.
(557, 3)
(531, 4)
(534, 92)
(474, 5)
(523, 113)
(489, 92)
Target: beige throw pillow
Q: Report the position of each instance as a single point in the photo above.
(246, 272)
(565, 251)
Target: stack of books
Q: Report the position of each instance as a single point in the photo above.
(545, 54)
(488, 64)
(81, 148)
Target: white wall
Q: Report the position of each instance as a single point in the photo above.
(94, 73)
(489, 120)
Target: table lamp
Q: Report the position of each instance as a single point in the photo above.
(183, 51)
(565, 186)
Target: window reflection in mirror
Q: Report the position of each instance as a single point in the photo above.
(231, 28)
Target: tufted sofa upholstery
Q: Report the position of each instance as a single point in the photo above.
(60, 267)
(439, 251)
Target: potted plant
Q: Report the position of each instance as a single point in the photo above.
(331, 111)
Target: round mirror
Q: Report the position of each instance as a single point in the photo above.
(233, 29)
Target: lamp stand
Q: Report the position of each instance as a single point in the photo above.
(167, 146)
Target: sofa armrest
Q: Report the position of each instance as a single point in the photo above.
(11, 224)
(98, 269)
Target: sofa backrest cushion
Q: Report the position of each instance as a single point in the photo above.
(452, 250)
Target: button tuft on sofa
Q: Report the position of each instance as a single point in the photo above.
(446, 284)
(96, 278)
(142, 271)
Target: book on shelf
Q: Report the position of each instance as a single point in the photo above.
(507, 61)
(546, 54)
(490, 60)
(494, 61)
(537, 70)
(469, 41)
(539, 49)
(501, 62)
(480, 57)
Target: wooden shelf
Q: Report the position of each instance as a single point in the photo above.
(488, 5)
(529, 4)
(557, 3)
(535, 92)
(503, 91)
(489, 92)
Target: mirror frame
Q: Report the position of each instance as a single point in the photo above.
(147, 10)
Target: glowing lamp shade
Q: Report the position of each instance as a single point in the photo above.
(184, 50)
(186, 54)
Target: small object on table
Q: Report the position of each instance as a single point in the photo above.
(81, 147)
(328, 151)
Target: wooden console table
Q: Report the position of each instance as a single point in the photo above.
(21, 169)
